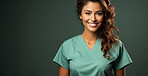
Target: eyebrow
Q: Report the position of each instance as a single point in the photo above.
(96, 11)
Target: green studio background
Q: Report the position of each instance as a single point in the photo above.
(32, 31)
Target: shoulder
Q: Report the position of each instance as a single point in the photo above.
(71, 40)
(68, 44)
(120, 47)
(117, 48)
(119, 42)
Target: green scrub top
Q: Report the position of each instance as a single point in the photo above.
(75, 56)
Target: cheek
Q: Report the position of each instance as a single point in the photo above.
(85, 18)
(100, 18)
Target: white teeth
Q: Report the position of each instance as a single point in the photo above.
(92, 24)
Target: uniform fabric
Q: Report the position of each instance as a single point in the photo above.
(76, 56)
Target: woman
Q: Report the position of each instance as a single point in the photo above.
(97, 51)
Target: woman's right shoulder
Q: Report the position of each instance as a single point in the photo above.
(71, 40)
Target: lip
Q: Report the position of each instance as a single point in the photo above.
(93, 24)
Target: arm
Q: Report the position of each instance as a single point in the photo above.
(63, 71)
(120, 72)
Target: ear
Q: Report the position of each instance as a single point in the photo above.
(80, 16)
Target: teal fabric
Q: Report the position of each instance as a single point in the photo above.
(75, 55)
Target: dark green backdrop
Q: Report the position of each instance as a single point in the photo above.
(32, 31)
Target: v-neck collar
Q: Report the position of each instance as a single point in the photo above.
(86, 46)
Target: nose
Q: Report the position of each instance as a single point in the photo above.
(93, 18)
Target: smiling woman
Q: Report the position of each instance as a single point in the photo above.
(92, 16)
(97, 51)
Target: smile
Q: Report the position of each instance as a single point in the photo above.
(93, 24)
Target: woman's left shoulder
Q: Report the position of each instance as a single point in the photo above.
(119, 42)
(118, 46)
(117, 49)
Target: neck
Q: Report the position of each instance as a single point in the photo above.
(89, 36)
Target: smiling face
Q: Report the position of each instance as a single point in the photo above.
(92, 16)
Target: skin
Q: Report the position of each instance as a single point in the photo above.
(91, 13)
(63, 71)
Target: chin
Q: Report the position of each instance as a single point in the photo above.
(92, 30)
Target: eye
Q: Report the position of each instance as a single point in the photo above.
(87, 13)
(99, 13)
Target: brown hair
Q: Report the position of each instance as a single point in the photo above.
(105, 32)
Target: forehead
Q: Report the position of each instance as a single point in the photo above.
(93, 6)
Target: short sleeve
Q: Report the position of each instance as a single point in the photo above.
(60, 57)
(123, 59)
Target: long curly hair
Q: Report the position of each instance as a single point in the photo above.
(106, 31)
